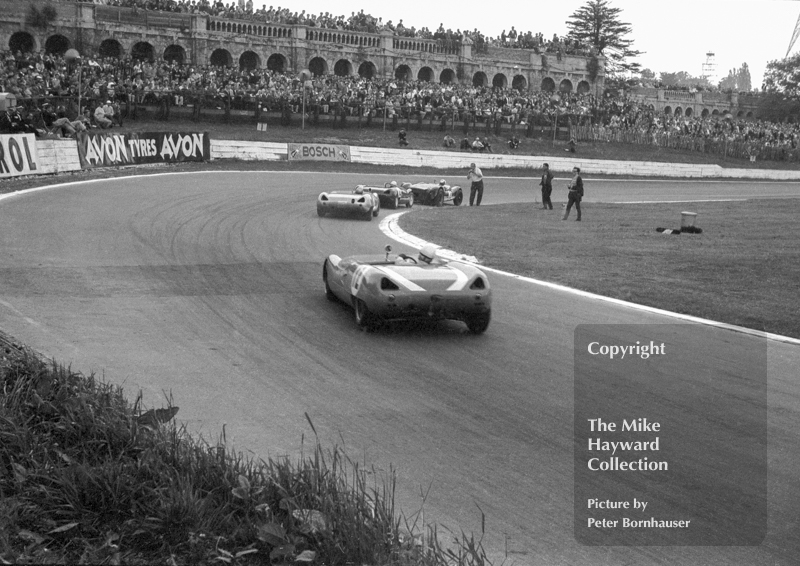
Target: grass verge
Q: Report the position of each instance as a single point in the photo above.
(88, 478)
(743, 269)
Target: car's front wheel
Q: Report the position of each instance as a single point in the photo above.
(396, 202)
(377, 208)
(320, 211)
(458, 199)
(410, 202)
(478, 323)
(364, 318)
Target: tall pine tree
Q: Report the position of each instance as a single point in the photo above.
(598, 24)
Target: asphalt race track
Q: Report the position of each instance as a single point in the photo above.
(207, 287)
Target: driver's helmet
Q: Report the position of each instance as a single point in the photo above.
(442, 183)
(359, 190)
(393, 184)
(427, 253)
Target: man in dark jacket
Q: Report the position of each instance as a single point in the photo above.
(575, 193)
(547, 188)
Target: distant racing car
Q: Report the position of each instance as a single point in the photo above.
(363, 203)
(401, 287)
(436, 193)
(391, 194)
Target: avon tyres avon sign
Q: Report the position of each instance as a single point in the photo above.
(106, 150)
(18, 155)
(318, 152)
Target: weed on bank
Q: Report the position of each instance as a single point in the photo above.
(88, 478)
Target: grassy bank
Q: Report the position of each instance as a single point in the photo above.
(89, 478)
(743, 269)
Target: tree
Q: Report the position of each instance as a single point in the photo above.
(737, 80)
(783, 77)
(597, 24)
(682, 79)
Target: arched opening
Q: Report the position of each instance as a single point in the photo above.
(520, 83)
(565, 86)
(403, 73)
(715, 112)
(668, 110)
(110, 48)
(447, 76)
(749, 115)
(343, 68)
(584, 87)
(499, 80)
(56, 44)
(249, 61)
(318, 66)
(689, 112)
(175, 53)
(548, 85)
(704, 113)
(740, 113)
(480, 79)
(367, 70)
(277, 63)
(143, 51)
(21, 41)
(425, 74)
(678, 112)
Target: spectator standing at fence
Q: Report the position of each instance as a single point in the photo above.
(575, 194)
(475, 175)
(547, 187)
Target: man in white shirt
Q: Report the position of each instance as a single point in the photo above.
(476, 176)
(100, 117)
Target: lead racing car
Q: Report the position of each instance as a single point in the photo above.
(360, 202)
(391, 194)
(401, 287)
(436, 193)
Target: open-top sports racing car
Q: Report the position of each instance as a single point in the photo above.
(391, 194)
(363, 203)
(401, 287)
(436, 193)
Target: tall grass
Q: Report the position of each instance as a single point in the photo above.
(89, 478)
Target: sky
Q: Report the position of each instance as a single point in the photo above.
(675, 35)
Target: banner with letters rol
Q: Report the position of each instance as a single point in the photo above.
(106, 149)
(318, 152)
(18, 155)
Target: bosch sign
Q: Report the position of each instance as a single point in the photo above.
(318, 152)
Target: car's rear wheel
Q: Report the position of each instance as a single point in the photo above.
(410, 202)
(396, 203)
(364, 318)
(478, 323)
(458, 199)
(328, 292)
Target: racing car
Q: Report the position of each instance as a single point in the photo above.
(391, 195)
(401, 287)
(361, 202)
(436, 193)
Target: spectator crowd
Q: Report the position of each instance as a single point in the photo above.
(358, 22)
(48, 88)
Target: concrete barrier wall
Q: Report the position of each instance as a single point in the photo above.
(461, 160)
(248, 150)
(57, 156)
